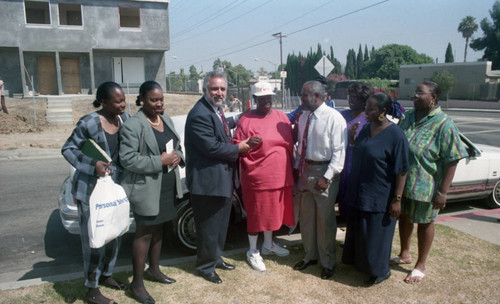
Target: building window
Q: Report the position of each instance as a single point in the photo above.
(130, 16)
(70, 14)
(409, 81)
(37, 12)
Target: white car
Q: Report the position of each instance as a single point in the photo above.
(477, 176)
(183, 227)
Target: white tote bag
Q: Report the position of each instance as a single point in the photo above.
(109, 212)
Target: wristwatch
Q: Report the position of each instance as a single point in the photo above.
(397, 197)
(328, 181)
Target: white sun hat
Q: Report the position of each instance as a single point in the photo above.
(262, 88)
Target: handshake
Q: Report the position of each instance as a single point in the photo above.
(248, 144)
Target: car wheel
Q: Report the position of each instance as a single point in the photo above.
(184, 227)
(493, 201)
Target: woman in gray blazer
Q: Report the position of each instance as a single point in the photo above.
(152, 182)
(101, 126)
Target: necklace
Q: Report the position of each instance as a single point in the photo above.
(157, 123)
(112, 120)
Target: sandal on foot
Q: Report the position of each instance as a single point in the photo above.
(415, 273)
(111, 283)
(94, 296)
(397, 261)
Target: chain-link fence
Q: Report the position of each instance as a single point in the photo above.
(180, 83)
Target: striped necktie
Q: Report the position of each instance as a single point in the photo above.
(304, 145)
(223, 118)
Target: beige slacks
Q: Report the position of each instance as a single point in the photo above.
(318, 224)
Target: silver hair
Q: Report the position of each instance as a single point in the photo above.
(213, 74)
(316, 88)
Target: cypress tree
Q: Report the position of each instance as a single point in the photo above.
(448, 57)
(360, 63)
(350, 66)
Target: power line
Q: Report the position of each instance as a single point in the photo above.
(233, 52)
(292, 33)
(192, 16)
(218, 26)
(272, 30)
(230, 7)
(338, 17)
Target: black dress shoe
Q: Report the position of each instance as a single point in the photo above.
(303, 265)
(211, 277)
(148, 300)
(378, 280)
(225, 266)
(327, 273)
(165, 280)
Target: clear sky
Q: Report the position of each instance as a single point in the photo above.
(241, 30)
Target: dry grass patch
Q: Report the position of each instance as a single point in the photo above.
(461, 269)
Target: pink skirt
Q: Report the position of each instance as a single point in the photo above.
(268, 210)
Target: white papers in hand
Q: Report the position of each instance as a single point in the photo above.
(169, 147)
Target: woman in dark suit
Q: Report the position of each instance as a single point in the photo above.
(152, 182)
(380, 163)
(101, 126)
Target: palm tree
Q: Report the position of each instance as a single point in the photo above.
(467, 27)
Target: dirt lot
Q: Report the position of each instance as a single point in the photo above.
(18, 130)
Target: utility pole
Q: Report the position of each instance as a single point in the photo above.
(280, 36)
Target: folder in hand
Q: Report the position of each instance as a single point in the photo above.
(92, 150)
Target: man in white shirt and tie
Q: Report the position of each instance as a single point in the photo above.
(322, 139)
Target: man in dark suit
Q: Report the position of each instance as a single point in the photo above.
(210, 164)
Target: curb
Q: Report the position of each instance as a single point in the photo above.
(288, 240)
(30, 154)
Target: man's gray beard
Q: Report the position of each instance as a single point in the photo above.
(216, 104)
(213, 103)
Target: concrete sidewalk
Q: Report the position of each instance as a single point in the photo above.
(30, 154)
(452, 105)
(479, 223)
(12, 280)
(483, 224)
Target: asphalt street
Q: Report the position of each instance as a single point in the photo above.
(35, 248)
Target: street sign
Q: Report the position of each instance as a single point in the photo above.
(283, 74)
(324, 66)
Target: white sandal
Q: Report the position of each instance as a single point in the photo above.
(415, 273)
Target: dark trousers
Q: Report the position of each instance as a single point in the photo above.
(211, 216)
(368, 241)
(4, 106)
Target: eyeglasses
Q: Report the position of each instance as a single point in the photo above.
(418, 93)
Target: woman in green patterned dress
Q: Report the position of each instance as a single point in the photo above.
(435, 149)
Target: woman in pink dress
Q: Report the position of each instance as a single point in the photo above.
(266, 174)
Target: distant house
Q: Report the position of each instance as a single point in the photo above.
(475, 80)
(72, 46)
